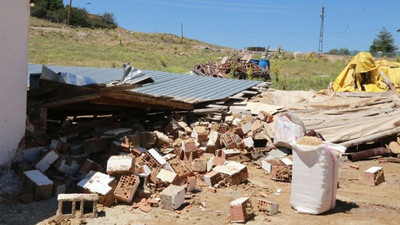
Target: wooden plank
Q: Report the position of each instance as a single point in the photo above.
(389, 83)
(145, 99)
(207, 111)
(125, 103)
(60, 102)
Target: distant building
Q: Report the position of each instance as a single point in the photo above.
(255, 49)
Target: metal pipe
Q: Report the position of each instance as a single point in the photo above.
(380, 151)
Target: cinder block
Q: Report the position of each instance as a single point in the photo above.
(169, 177)
(172, 127)
(58, 188)
(189, 156)
(47, 160)
(162, 139)
(374, 176)
(66, 166)
(191, 183)
(89, 165)
(229, 141)
(244, 128)
(59, 146)
(93, 145)
(189, 145)
(126, 188)
(118, 133)
(148, 139)
(77, 205)
(172, 197)
(271, 208)
(248, 142)
(38, 184)
(223, 128)
(180, 168)
(133, 140)
(199, 165)
(212, 178)
(227, 153)
(240, 210)
(120, 165)
(200, 133)
(153, 159)
(100, 183)
(234, 172)
(212, 143)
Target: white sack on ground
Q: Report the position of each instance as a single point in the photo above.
(314, 177)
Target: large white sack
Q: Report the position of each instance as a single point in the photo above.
(314, 177)
(288, 128)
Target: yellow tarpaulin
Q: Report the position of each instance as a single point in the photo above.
(362, 74)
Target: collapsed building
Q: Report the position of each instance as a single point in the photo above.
(147, 138)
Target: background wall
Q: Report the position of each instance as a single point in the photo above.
(14, 38)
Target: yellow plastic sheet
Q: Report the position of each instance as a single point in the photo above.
(362, 74)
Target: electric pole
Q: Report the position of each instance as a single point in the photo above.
(69, 12)
(181, 30)
(321, 33)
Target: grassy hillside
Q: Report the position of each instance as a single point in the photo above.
(54, 44)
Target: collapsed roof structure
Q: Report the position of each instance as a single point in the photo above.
(102, 90)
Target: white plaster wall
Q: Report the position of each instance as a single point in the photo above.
(14, 38)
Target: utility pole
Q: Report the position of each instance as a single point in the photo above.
(321, 33)
(69, 12)
(181, 30)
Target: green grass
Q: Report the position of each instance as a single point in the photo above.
(305, 75)
(54, 44)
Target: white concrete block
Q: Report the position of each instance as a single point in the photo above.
(120, 164)
(47, 161)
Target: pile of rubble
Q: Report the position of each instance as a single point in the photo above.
(155, 160)
(122, 162)
(241, 66)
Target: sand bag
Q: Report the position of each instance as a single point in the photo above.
(288, 128)
(314, 175)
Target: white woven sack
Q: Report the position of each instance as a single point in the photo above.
(314, 177)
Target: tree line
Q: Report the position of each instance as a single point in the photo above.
(55, 11)
(383, 44)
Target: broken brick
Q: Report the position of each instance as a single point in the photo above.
(271, 208)
(374, 176)
(126, 188)
(240, 210)
(212, 178)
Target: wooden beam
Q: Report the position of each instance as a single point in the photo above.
(146, 99)
(69, 100)
(388, 82)
(124, 103)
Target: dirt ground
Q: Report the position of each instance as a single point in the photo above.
(356, 203)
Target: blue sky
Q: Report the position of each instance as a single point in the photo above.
(292, 24)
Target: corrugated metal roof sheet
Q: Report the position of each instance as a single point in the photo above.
(186, 88)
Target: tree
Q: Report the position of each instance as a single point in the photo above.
(109, 18)
(342, 51)
(384, 42)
